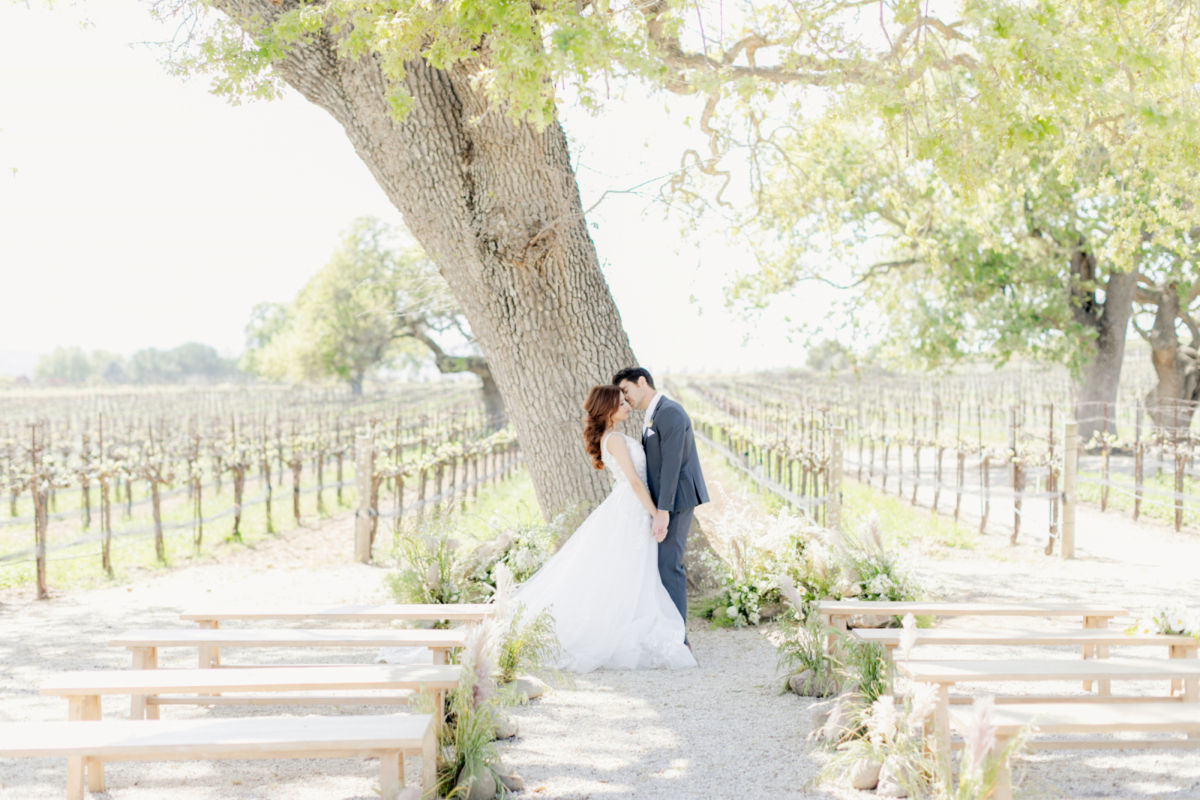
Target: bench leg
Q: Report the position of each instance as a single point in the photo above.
(143, 658)
(75, 778)
(210, 658)
(941, 724)
(429, 750)
(75, 712)
(391, 774)
(1003, 771)
(1089, 651)
(95, 767)
(439, 655)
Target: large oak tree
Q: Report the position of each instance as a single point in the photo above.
(452, 106)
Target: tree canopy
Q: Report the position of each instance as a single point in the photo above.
(375, 303)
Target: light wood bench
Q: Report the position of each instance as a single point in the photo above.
(1090, 718)
(211, 618)
(837, 613)
(1095, 642)
(947, 674)
(83, 689)
(144, 644)
(89, 744)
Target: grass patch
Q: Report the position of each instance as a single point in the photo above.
(1153, 506)
(901, 522)
(735, 482)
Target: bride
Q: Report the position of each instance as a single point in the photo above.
(603, 588)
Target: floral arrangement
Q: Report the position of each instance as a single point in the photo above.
(522, 546)
(428, 571)
(819, 564)
(1169, 618)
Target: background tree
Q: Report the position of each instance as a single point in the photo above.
(373, 304)
(453, 108)
(65, 365)
(1009, 205)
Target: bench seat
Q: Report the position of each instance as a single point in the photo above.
(387, 737)
(146, 686)
(211, 617)
(144, 644)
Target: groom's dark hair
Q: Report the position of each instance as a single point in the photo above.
(632, 374)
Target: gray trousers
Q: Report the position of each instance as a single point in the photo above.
(670, 559)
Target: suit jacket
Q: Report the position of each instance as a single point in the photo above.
(672, 466)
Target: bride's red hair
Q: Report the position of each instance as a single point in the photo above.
(602, 402)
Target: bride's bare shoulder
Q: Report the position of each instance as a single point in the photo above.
(615, 444)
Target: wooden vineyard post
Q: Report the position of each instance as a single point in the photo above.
(986, 475)
(1070, 466)
(1138, 462)
(1017, 476)
(364, 475)
(1180, 466)
(834, 516)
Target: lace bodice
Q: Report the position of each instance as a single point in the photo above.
(636, 452)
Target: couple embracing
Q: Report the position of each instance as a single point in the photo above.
(617, 589)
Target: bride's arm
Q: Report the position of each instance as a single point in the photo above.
(620, 451)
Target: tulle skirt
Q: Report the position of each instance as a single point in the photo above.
(603, 589)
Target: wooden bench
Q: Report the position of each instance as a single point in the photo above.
(1091, 718)
(837, 613)
(1095, 642)
(144, 644)
(211, 618)
(87, 745)
(146, 687)
(947, 674)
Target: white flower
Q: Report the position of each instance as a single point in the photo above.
(924, 700)
(883, 718)
(980, 733)
(731, 612)
(1146, 626)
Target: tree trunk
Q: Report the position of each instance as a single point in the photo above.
(356, 386)
(496, 206)
(1097, 399)
(1171, 403)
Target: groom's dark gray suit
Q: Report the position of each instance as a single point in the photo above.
(676, 485)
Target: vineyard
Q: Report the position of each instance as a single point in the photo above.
(95, 480)
(108, 478)
(992, 448)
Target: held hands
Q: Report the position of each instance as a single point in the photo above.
(659, 529)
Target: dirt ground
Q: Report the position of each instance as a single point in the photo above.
(720, 731)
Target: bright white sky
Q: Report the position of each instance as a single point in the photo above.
(145, 212)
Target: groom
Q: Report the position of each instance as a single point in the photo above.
(673, 473)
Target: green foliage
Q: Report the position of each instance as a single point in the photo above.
(64, 365)
(522, 545)
(426, 572)
(803, 649)
(864, 668)
(187, 363)
(983, 205)
(526, 645)
(377, 302)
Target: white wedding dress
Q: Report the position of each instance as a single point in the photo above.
(602, 588)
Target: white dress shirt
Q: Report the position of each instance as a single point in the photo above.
(650, 413)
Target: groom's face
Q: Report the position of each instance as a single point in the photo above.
(638, 394)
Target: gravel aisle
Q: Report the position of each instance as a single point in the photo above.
(719, 731)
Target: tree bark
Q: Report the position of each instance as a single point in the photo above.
(495, 204)
(493, 402)
(1171, 403)
(1097, 395)
(356, 386)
